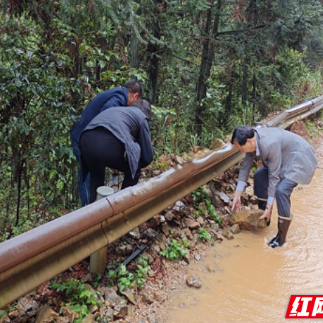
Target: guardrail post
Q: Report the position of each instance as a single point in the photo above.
(98, 259)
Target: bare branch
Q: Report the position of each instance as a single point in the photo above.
(240, 30)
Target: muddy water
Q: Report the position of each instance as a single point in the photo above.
(243, 280)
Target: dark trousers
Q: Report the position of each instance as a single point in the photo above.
(101, 149)
(283, 192)
(84, 183)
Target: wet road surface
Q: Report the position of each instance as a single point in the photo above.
(243, 280)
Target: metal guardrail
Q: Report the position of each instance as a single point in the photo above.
(287, 117)
(28, 260)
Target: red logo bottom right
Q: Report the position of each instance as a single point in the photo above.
(305, 307)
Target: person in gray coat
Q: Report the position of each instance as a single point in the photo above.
(117, 138)
(288, 160)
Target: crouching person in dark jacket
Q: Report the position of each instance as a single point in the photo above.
(117, 138)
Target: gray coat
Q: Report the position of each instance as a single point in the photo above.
(285, 154)
(130, 126)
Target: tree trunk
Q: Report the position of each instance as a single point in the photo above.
(254, 84)
(244, 90)
(153, 72)
(154, 54)
(133, 50)
(253, 19)
(228, 105)
(206, 64)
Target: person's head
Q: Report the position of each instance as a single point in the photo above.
(145, 107)
(135, 91)
(243, 138)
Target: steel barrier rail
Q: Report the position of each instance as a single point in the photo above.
(287, 117)
(36, 256)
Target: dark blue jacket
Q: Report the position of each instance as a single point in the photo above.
(116, 97)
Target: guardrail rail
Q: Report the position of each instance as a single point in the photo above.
(28, 260)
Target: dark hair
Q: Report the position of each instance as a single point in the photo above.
(134, 86)
(241, 134)
(145, 107)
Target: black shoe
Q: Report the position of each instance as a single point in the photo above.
(274, 242)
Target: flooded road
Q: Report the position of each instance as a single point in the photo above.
(244, 280)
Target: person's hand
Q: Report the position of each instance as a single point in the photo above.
(267, 213)
(236, 204)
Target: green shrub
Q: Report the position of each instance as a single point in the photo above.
(175, 250)
(204, 235)
(127, 279)
(79, 297)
